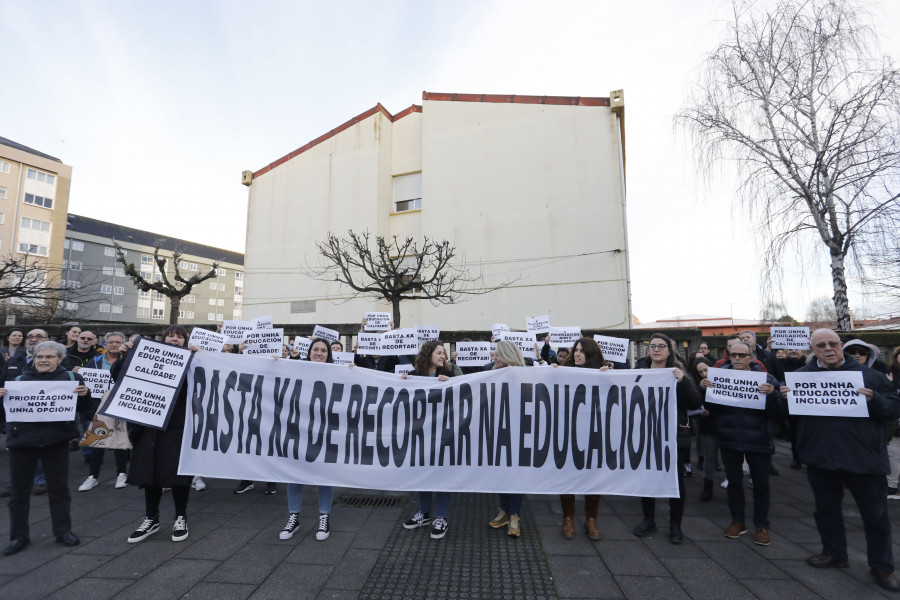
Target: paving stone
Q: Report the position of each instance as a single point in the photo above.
(95, 588)
(740, 560)
(250, 564)
(353, 569)
(325, 552)
(374, 533)
(220, 543)
(138, 560)
(651, 587)
(830, 584)
(219, 591)
(556, 545)
(703, 578)
(631, 558)
(171, 580)
(771, 589)
(583, 577)
(329, 594)
(52, 575)
(298, 582)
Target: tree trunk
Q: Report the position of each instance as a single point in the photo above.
(396, 303)
(174, 307)
(839, 283)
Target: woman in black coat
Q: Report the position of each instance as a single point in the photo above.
(154, 460)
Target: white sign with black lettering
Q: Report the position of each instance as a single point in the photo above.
(236, 330)
(302, 344)
(473, 354)
(537, 325)
(378, 321)
(369, 343)
(98, 380)
(565, 336)
(406, 368)
(264, 342)
(40, 401)
(326, 334)
(826, 394)
(400, 342)
(342, 358)
(427, 332)
(262, 322)
(525, 342)
(497, 329)
(736, 388)
(207, 340)
(613, 348)
(793, 338)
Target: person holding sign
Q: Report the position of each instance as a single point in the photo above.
(319, 351)
(746, 434)
(849, 452)
(432, 362)
(687, 397)
(48, 442)
(154, 461)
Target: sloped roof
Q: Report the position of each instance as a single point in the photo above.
(23, 148)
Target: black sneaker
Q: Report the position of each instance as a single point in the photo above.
(323, 530)
(271, 488)
(439, 528)
(244, 486)
(419, 519)
(293, 524)
(148, 527)
(180, 530)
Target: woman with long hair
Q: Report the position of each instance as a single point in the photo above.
(508, 354)
(687, 394)
(15, 343)
(431, 361)
(585, 354)
(707, 435)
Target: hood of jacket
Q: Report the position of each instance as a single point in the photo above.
(871, 356)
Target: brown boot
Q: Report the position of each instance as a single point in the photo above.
(590, 525)
(568, 528)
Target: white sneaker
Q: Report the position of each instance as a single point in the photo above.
(724, 484)
(198, 483)
(89, 484)
(122, 481)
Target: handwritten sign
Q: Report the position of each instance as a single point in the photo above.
(613, 348)
(264, 342)
(400, 342)
(565, 336)
(427, 332)
(826, 394)
(207, 340)
(497, 329)
(262, 322)
(342, 358)
(40, 401)
(473, 354)
(790, 337)
(736, 388)
(537, 325)
(326, 334)
(98, 380)
(377, 321)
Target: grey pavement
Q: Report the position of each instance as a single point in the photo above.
(233, 551)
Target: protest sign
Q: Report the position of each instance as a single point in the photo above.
(151, 377)
(400, 342)
(473, 354)
(537, 325)
(262, 322)
(326, 334)
(404, 368)
(369, 343)
(98, 380)
(613, 348)
(515, 430)
(826, 394)
(377, 321)
(796, 338)
(497, 329)
(264, 342)
(236, 330)
(207, 340)
(736, 388)
(342, 358)
(564, 336)
(40, 401)
(525, 342)
(302, 344)
(427, 332)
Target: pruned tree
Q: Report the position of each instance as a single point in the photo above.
(396, 270)
(800, 102)
(175, 288)
(36, 292)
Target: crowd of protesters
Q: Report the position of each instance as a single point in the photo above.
(861, 455)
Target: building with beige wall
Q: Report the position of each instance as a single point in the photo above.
(528, 188)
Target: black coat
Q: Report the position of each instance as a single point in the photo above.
(687, 394)
(854, 444)
(40, 435)
(747, 429)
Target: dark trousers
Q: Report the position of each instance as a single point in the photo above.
(759, 472)
(22, 466)
(870, 494)
(153, 494)
(96, 460)
(676, 505)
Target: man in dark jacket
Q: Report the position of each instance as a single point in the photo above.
(850, 452)
(29, 442)
(745, 433)
(83, 352)
(762, 355)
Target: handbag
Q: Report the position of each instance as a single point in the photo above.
(106, 432)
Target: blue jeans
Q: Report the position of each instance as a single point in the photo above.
(443, 503)
(511, 503)
(295, 497)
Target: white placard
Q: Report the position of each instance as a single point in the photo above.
(427, 332)
(613, 348)
(404, 368)
(326, 334)
(826, 394)
(98, 380)
(262, 322)
(565, 336)
(302, 344)
(236, 330)
(342, 358)
(497, 329)
(795, 338)
(473, 354)
(141, 402)
(207, 340)
(400, 342)
(736, 388)
(537, 325)
(525, 342)
(369, 343)
(377, 321)
(40, 401)
(264, 342)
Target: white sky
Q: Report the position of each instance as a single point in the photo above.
(159, 106)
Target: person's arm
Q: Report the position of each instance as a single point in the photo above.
(882, 398)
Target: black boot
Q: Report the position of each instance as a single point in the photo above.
(706, 494)
(646, 527)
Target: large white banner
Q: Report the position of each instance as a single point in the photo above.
(511, 430)
(736, 388)
(40, 401)
(826, 394)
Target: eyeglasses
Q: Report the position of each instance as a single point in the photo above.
(36, 337)
(738, 355)
(658, 347)
(857, 352)
(46, 357)
(823, 345)
(87, 339)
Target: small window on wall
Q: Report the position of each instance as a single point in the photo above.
(408, 192)
(4, 166)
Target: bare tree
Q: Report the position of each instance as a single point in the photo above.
(36, 292)
(821, 313)
(800, 102)
(397, 270)
(775, 312)
(176, 288)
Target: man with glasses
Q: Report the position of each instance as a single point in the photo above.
(83, 352)
(850, 452)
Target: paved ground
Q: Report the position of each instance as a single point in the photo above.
(234, 552)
